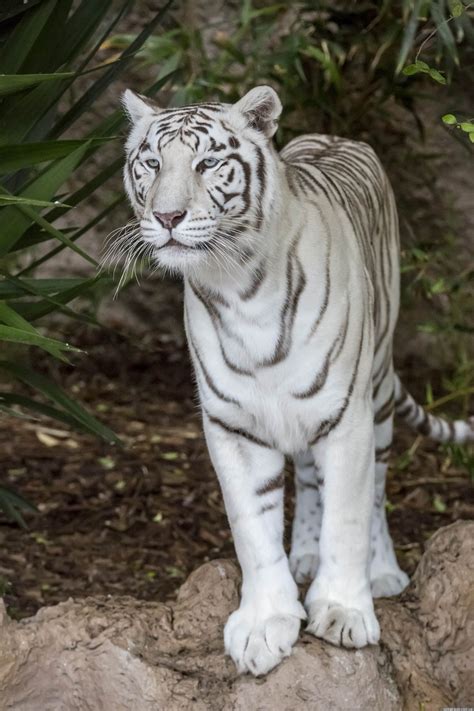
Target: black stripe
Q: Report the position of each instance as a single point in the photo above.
(404, 410)
(321, 377)
(268, 507)
(383, 453)
(290, 305)
(237, 431)
(424, 427)
(271, 485)
(306, 484)
(330, 423)
(327, 291)
(207, 376)
(257, 281)
(384, 412)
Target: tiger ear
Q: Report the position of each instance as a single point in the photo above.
(261, 108)
(138, 106)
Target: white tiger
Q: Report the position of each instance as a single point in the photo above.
(291, 273)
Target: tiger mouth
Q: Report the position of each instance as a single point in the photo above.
(172, 242)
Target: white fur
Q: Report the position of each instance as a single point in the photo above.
(339, 601)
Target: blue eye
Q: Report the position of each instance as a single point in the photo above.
(208, 163)
(153, 163)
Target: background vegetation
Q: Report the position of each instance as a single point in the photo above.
(43, 54)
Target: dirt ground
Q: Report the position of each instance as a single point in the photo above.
(137, 520)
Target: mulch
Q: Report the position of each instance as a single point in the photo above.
(138, 519)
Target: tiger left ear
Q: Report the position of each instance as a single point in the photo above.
(261, 108)
(138, 106)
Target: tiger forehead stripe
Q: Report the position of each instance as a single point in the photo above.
(185, 123)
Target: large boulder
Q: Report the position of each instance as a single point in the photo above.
(122, 654)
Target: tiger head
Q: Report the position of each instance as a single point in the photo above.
(201, 178)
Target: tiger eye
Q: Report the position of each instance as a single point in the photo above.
(207, 163)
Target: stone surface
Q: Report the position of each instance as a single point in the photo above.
(114, 654)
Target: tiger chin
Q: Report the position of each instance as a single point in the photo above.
(291, 278)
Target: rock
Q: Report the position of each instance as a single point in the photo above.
(444, 586)
(122, 654)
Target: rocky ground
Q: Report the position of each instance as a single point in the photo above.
(121, 654)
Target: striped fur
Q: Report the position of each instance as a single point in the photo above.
(291, 271)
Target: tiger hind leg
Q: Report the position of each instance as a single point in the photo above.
(386, 577)
(304, 556)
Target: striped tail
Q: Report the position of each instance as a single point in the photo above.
(416, 417)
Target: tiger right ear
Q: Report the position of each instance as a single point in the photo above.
(138, 106)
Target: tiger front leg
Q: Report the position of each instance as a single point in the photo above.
(339, 601)
(266, 625)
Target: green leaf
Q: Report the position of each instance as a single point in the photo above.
(17, 200)
(72, 408)
(467, 126)
(424, 68)
(12, 503)
(20, 42)
(438, 504)
(13, 8)
(48, 52)
(18, 335)
(14, 222)
(449, 119)
(27, 403)
(15, 288)
(81, 26)
(456, 8)
(23, 155)
(428, 327)
(10, 83)
(97, 89)
(37, 309)
(56, 300)
(57, 234)
(408, 36)
(471, 137)
(439, 286)
(75, 235)
(23, 112)
(437, 76)
(412, 69)
(443, 30)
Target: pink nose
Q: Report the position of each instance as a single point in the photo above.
(169, 219)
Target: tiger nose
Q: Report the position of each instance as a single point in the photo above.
(169, 219)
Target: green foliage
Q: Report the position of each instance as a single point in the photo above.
(461, 457)
(465, 126)
(423, 68)
(332, 63)
(44, 52)
(13, 504)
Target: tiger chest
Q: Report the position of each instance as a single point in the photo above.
(265, 400)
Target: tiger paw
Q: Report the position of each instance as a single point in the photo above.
(390, 583)
(343, 626)
(258, 645)
(303, 566)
